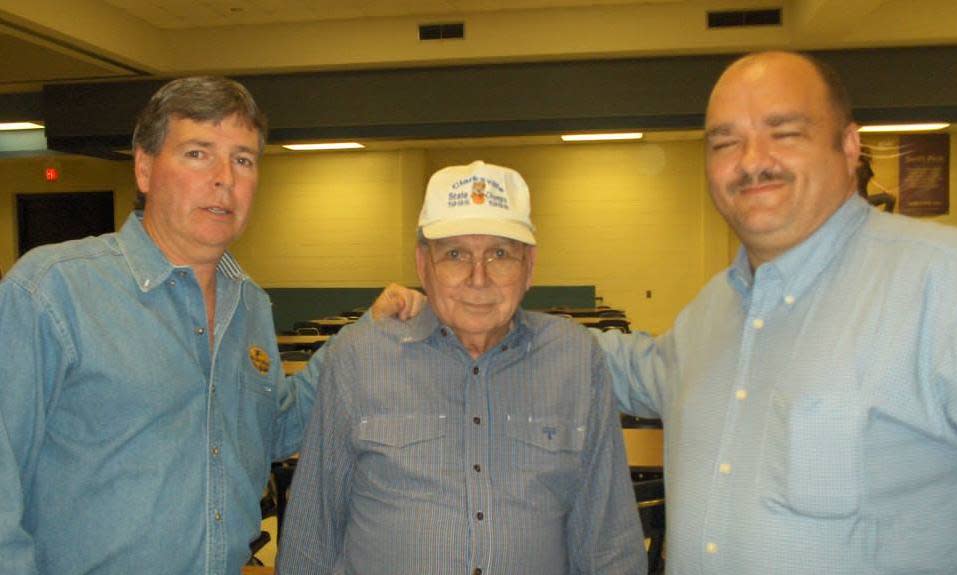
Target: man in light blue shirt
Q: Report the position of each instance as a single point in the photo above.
(141, 391)
(808, 393)
(474, 439)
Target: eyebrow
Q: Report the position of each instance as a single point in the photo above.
(774, 121)
(206, 144)
(719, 130)
(781, 119)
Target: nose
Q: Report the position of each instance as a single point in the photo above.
(756, 156)
(223, 176)
(479, 276)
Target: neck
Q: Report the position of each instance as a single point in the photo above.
(478, 343)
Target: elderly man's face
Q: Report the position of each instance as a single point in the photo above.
(475, 283)
(778, 162)
(199, 187)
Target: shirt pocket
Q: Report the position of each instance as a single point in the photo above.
(257, 417)
(405, 441)
(547, 449)
(812, 454)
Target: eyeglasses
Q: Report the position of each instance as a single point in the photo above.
(503, 265)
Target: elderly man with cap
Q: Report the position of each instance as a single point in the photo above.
(475, 438)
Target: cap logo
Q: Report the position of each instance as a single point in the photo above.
(478, 192)
(260, 359)
(483, 190)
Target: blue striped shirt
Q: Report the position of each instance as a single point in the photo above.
(810, 408)
(419, 459)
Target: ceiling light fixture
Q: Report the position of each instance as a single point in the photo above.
(20, 126)
(325, 146)
(602, 137)
(904, 127)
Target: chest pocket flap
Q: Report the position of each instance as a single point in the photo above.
(400, 430)
(548, 433)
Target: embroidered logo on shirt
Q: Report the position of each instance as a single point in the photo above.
(260, 359)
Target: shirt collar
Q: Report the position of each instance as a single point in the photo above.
(798, 267)
(147, 263)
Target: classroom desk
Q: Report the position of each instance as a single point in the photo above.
(291, 342)
(291, 367)
(301, 339)
(644, 448)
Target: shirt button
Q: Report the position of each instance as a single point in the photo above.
(475, 370)
(218, 516)
(172, 283)
(477, 420)
(725, 468)
(758, 323)
(789, 299)
(214, 451)
(477, 468)
(480, 516)
(182, 273)
(443, 332)
(199, 330)
(741, 394)
(711, 548)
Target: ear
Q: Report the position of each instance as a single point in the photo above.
(421, 260)
(531, 252)
(851, 146)
(142, 168)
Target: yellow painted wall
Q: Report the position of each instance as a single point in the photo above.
(25, 176)
(334, 220)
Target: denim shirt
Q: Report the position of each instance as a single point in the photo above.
(420, 459)
(127, 445)
(810, 408)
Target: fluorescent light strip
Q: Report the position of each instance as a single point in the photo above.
(325, 146)
(20, 126)
(602, 137)
(904, 127)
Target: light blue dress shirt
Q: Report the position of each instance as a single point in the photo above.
(421, 460)
(126, 444)
(810, 409)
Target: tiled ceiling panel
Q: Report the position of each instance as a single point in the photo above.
(206, 13)
(28, 62)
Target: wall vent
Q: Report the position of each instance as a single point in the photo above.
(741, 18)
(447, 31)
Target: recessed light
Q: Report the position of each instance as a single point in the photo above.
(904, 127)
(20, 126)
(325, 146)
(602, 137)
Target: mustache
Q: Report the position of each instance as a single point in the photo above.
(763, 177)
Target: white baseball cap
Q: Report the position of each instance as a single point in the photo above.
(478, 198)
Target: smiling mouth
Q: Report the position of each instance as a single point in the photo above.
(217, 211)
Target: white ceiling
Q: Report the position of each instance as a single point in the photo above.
(44, 41)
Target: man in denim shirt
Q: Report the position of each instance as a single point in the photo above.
(142, 394)
(476, 438)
